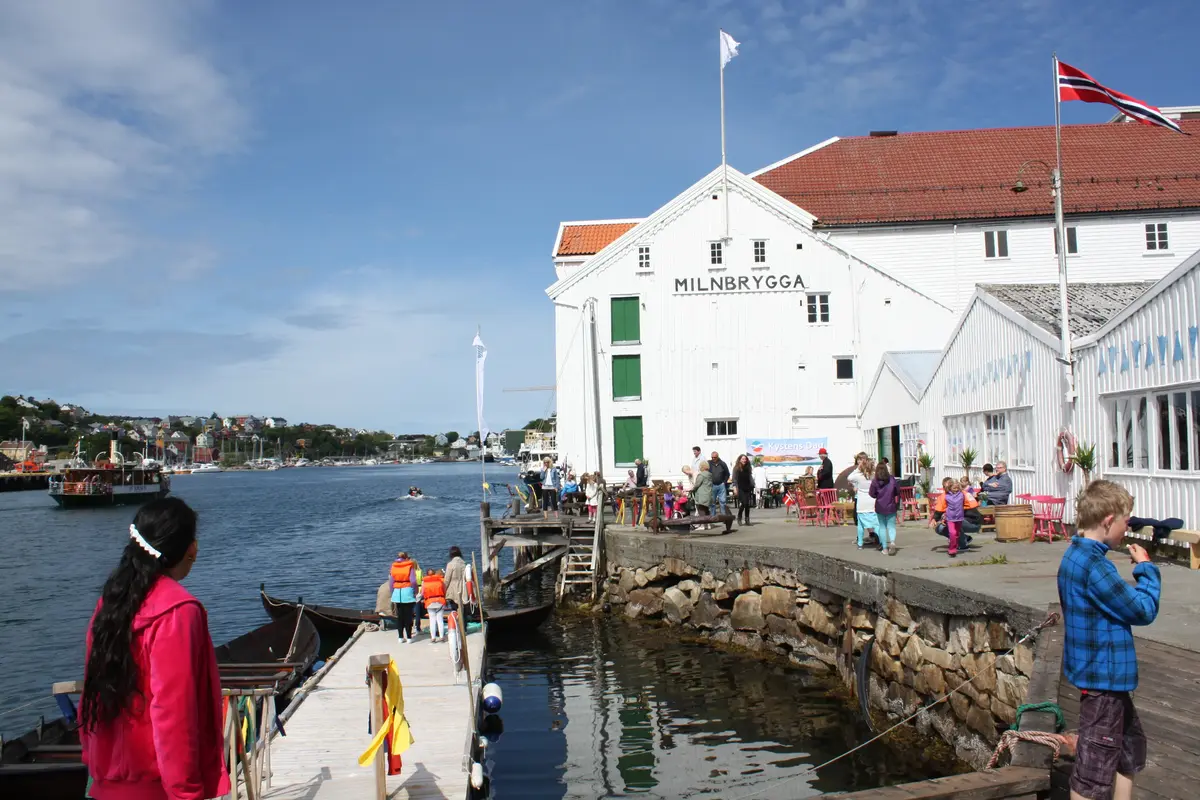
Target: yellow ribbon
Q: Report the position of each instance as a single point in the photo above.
(396, 725)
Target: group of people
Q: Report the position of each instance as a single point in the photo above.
(408, 591)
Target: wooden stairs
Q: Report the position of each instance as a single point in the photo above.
(577, 576)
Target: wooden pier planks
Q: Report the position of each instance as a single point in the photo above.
(318, 758)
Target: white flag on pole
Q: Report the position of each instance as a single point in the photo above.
(480, 358)
(728, 48)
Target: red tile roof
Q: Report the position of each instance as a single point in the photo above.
(959, 175)
(589, 238)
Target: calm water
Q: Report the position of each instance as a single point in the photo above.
(593, 708)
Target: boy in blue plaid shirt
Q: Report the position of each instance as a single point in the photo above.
(1099, 608)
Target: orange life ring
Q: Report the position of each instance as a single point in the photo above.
(1064, 450)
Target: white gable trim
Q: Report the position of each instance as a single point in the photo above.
(795, 156)
(752, 190)
(562, 225)
(1185, 266)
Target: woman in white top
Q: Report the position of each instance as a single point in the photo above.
(864, 504)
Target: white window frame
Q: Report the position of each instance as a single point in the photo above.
(1139, 446)
(1072, 239)
(998, 238)
(716, 254)
(853, 369)
(759, 244)
(1003, 434)
(643, 254)
(713, 428)
(910, 438)
(1160, 232)
(808, 302)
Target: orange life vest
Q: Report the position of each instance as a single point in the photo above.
(402, 572)
(433, 589)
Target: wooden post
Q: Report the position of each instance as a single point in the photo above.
(376, 668)
(483, 580)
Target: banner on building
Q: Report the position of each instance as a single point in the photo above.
(787, 452)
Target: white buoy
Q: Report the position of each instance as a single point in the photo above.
(477, 775)
(493, 699)
(483, 743)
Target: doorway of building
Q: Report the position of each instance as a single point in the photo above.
(888, 447)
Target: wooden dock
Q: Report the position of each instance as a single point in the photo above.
(326, 733)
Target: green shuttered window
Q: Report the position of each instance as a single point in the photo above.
(627, 377)
(627, 440)
(626, 321)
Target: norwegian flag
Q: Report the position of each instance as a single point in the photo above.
(1075, 84)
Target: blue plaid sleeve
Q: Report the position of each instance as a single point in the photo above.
(1128, 605)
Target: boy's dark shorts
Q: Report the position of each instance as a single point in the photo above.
(1110, 741)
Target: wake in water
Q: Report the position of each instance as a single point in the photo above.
(416, 497)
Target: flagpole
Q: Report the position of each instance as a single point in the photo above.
(1056, 180)
(724, 165)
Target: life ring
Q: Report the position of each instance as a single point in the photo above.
(1064, 450)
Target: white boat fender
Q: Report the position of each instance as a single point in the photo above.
(477, 775)
(493, 698)
(483, 743)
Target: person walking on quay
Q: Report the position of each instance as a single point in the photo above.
(743, 481)
(720, 480)
(456, 580)
(886, 492)
(643, 479)
(956, 502)
(1099, 610)
(551, 484)
(999, 486)
(697, 460)
(864, 503)
(593, 491)
(702, 491)
(433, 593)
(151, 718)
(825, 473)
(404, 594)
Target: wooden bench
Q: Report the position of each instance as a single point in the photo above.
(1180, 538)
(659, 525)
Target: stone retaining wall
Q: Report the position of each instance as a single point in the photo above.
(919, 653)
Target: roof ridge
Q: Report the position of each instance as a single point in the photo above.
(899, 134)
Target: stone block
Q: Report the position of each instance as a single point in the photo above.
(978, 667)
(686, 585)
(961, 706)
(898, 613)
(648, 601)
(931, 627)
(677, 606)
(818, 619)
(999, 635)
(884, 665)
(824, 597)
(777, 600)
(706, 613)
(722, 636)
(1011, 689)
(1003, 711)
(747, 612)
(980, 642)
(887, 635)
(747, 640)
(1007, 665)
(628, 582)
(640, 577)
(707, 581)
(913, 655)
(861, 619)
(654, 573)
(632, 610)
(1023, 658)
(934, 679)
(721, 591)
(825, 653)
(784, 628)
(982, 722)
(940, 657)
(780, 577)
(617, 595)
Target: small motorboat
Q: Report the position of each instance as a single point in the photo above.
(333, 623)
(279, 653)
(515, 621)
(415, 493)
(46, 763)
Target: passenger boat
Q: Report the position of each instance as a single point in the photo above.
(110, 481)
(280, 652)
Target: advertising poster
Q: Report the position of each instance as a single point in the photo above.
(787, 452)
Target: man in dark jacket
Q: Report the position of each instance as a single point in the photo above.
(720, 479)
(640, 475)
(825, 473)
(998, 486)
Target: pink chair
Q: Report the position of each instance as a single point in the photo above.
(908, 503)
(825, 500)
(805, 512)
(1048, 512)
(934, 497)
(1024, 498)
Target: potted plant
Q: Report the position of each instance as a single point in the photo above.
(925, 465)
(967, 457)
(1085, 459)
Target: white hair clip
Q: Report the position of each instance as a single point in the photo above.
(142, 543)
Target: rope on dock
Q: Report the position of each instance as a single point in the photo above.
(23, 706)
(1050, 707)
(1051, 619)
(1055, 741)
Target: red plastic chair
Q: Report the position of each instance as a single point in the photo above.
(908, 503)
(1024, 498)
(934, 496)
(1048, 512)
(805, 512)
(825, 500)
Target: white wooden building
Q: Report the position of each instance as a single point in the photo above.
(702, 339)
(937, 209)
(1139, 396)
(891, 412)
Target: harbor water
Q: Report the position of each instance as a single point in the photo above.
(594, 707)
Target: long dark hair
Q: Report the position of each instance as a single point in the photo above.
(111, 677)
(455, 552)
(737, 463)
(882, 474)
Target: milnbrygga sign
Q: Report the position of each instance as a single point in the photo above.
(726, 284)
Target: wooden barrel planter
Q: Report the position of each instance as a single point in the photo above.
(1014, 522)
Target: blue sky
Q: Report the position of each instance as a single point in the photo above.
(305, 209)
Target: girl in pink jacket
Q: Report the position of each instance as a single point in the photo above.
(151, 720)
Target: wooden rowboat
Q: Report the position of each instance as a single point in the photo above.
(514, 621)
(279, 653)
(45, 763)
(331, 622)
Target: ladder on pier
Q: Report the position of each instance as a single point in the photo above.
(578, 572)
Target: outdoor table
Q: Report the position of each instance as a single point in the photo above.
(843, 510)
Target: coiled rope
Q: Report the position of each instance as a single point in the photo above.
(1051, 619)
(1059, 722)
(1055, 741)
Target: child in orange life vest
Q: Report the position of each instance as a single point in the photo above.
(433, 591)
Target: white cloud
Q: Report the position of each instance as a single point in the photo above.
(101, 102)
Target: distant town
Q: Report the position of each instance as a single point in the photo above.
(34, 434)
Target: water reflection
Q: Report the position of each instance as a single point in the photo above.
(605, 708)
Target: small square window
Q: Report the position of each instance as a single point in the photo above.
(644, 257)
(721, 427)
(845, 369)
(716, 253)
(995, 244)
(760, 251)
(818, 308)
(1072, 242)
(1156, 236)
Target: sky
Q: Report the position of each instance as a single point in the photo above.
(306, 209)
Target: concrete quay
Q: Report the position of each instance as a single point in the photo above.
(806, 592)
